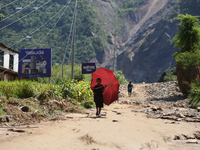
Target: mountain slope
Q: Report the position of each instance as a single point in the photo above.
(87, 45)
(147, 33)
(141, 29)
(147, 52)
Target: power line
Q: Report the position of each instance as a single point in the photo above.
(8, 4)
(18, 11)
(42, 39)
(69, 58)
(65, 50)
(40, 26)
(24, 15)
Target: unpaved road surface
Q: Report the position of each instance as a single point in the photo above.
(119, 128)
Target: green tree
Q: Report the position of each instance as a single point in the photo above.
(168, 75)
(120, 77)
(188, 55)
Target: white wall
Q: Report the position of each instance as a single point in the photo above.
(7, 58)
(16, 59)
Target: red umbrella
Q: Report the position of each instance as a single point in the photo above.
(107, 78)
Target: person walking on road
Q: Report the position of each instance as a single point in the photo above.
(98, 96)
(130, 87)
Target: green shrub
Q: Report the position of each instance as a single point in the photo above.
(120, 77)
(26, 89)
(80, 91)
(79, 77)
(88, 104)
(1, 108)
(169, 75)
(194, 96)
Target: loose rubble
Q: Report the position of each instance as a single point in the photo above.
(168, 91)
(165, 101)
(189, 139)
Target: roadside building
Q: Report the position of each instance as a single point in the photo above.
(8, 59)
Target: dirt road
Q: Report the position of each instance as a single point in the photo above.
(119, 128)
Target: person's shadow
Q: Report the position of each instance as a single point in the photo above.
(98, 117)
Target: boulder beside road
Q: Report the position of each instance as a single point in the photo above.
(198, 109)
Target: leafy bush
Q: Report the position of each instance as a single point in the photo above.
(120, 77)
(76, 91)
(194, 95)
(80, 91)
(169, 75)
(188, 55)
(1, 108)
(25, 89)
(88, 104)
(79, 77)
(16, 89)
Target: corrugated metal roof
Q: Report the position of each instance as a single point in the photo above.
(10, 49)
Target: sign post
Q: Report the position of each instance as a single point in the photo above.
(35, 63)
(88, 68)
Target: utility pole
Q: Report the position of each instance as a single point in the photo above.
(73, 42)
(114, 52)
(62, 58)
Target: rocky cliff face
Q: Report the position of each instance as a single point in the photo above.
(148, 52)
(144, 50)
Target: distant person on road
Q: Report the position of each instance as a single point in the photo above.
(98, 96)
(130, 87)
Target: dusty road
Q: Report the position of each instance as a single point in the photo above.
(119, 128)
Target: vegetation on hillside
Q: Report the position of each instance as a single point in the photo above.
(168, 75)
(90, 36)
(124, 6)
(127, 5)
(120, 77)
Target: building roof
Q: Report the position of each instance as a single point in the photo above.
(10, 49)
(8, 70)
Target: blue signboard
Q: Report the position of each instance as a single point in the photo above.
(88, 68)
(35, 63)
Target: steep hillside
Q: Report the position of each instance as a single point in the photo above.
(148, 52)
(90, 36)
(141, 29)
(147, 33)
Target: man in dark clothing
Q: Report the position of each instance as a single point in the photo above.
(130, 86)
(98, 96)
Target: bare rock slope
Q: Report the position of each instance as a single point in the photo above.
(148, 52)
(143, 50)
